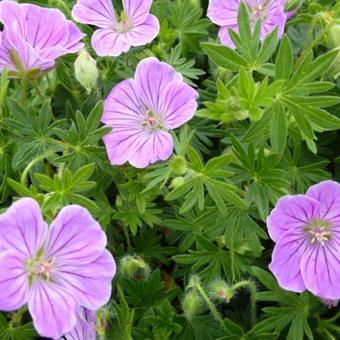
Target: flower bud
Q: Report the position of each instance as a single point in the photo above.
(191, 304)
(178, 165)
(132, 266)
(334, 36)
(196, 3)
(177, 182)
(221, 291)
(119, 201)
(241, 114)
(86, 71)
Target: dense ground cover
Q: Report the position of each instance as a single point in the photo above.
(169, 169)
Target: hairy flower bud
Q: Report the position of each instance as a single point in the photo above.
(334, 36)
(86, 72)
(132, 266)
(191, 304)
(178, 165)
(177, 182)
(221, 291)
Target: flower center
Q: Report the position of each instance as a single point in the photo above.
(152, 121)
(319, 231)
(40, 268)
(123, 24)
(257, 11)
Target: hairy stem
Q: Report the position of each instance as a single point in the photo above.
(252, 288)
(196, 285)
(32, 163)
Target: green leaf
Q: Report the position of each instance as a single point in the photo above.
(278, 128)
(268, 47)
(224, 56)
(284, 60)
(243, 23)
(183, 189)
(19, 188)
(215, 164)
(265, 278)
(195, 159)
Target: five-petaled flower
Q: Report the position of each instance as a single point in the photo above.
(55, 270)
(224, 13)
(141, 111)
(34, 37)
(135, 27)
(306, 229)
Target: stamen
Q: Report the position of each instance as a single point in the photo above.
(319, 231)
(41, 268)
(45, 268)
(152, 121)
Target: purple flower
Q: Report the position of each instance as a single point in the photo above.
(135, 27)
(306, 229)
(34, 37)
(141, 111)
(54, 270)
(224, 13)
(85, 328)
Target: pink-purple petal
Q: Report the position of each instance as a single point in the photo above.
(123, 106)
(12, 43)
(328, 194)
(22, 227)
(121, 143)
(75, 237)
(85, 328)
(291, 213)
(286, 260)
(223, 12)
(12, 15)
(144, 32)
(320, 268)
(107, 42)
(137, 10)
(13, 281)
(152, 76)
(37, 35)
(177, 103)
(99, 13)
(224, 35)
(53, 309)
(152, 147)
(90, 283)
